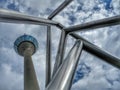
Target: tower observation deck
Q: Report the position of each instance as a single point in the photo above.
(26, 46)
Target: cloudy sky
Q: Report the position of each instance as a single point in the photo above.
(92, 73)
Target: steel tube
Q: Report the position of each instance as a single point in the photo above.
(62, 41)
(60, 52)
(93, 49)
(94, 24)
(48, 56)
(64, 76)
(9, 16)
(60, 8)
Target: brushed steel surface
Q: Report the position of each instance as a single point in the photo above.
(62, 40)
(60, 52)
(10, 16)
(64, 76)
(95, 50)
(60, 8)
(115, 20)
(48, 56)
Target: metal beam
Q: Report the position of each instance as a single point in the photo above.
(52, 15)
(60, 8)
(48, 56)
(93, 49)
(94, 24)
(60, 52)
(9, 16)
(64, 76)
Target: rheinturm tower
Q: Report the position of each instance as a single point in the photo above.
(26, 46)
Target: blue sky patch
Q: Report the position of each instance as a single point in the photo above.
(107, 4)
(83, 70)
(12, 6)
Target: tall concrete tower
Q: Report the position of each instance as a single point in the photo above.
(26, 46)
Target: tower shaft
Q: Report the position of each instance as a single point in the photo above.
(30, 79)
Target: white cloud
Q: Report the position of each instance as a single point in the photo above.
(116, 5)
(98, 77)
(10, 80)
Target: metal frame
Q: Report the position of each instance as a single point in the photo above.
(63, 78)
(8, 16)
(95, 24)
(48, 56)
